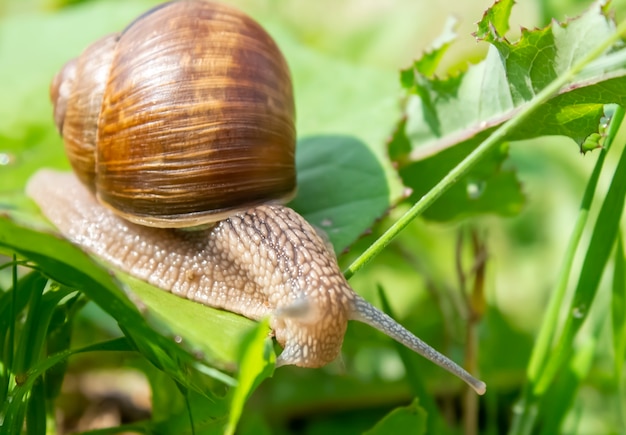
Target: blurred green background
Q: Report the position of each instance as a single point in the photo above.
(418, 271)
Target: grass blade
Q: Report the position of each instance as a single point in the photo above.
(257, 364)
(526, 413)
(603, 238)
(618, 322)
(618, 310)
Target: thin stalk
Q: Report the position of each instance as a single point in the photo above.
(13, 323)
(596, 258)
(617, 320)
(478, 153)
(525, 416)
(550, 322)
(475, 307)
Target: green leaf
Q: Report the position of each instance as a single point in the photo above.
(428, 63)
(445, 119)
(487, 188)
(201, 330)
(257, 364)
(407, 419)
(495, 22)
(341, 187)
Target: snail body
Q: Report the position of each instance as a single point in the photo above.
(260, 258)
(256, 263)
(264, 261)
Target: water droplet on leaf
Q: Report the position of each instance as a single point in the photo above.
(6, 158)
(604, 124)
(579, 312)
(475, 189)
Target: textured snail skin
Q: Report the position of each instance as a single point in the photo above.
(265, 261)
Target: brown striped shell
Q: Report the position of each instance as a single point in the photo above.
(182, 119)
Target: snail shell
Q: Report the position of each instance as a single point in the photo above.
(189, 107)
(183, 118)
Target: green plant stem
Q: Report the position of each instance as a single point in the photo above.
(478, 153)
(524, 419)
(602, 240)
(618, 325)
(13, 322)
(549, 325)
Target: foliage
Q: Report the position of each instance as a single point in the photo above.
(452, 142)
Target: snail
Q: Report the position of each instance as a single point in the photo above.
(186, 119)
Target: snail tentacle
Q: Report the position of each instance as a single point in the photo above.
(365, 312)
